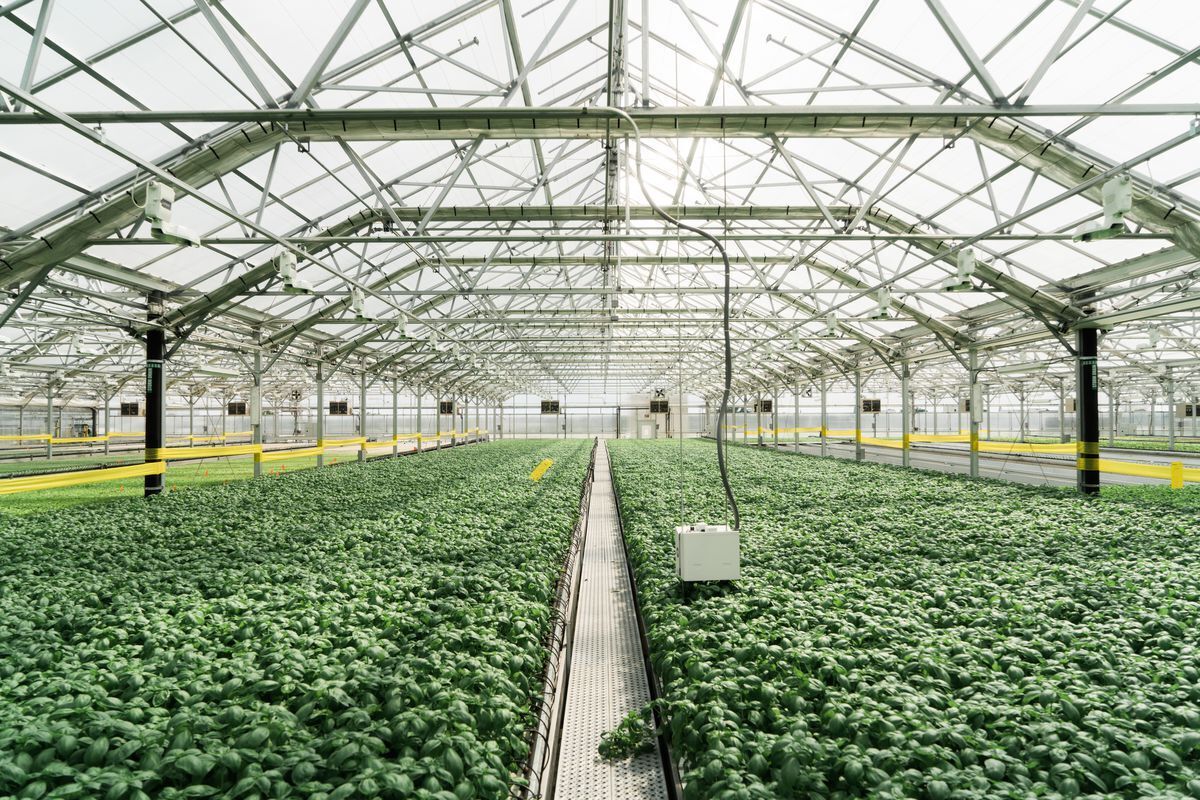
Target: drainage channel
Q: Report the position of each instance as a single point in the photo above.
(605, 677)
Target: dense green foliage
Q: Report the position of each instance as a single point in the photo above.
(181, 475)
(1187, 498)
(367, 631)
(901, 634)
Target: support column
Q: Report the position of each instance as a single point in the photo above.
(156, 391)
(256, 436)
(320, 410)
(824, 416)
(796, 417)
(1113, 404)
(50, 416)
(775, 418)
(1062, 412)
(1169, 386)
(395, 417)
(460, 406)
(987, 408)
(758, 434)
(107, 420)
(191, 419)
(1150, 427)
(420, 430)
(745, 426)
(905, 413)
(362, 414)
(1087, 410)
(438, 429)
(1020, 412)
(858, 448)
(974, 407)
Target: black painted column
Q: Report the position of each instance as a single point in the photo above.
(1087, 410)
(156, 391)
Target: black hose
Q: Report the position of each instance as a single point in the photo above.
(728, 383)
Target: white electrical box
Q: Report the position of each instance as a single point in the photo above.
(159, 200)
(707, 553)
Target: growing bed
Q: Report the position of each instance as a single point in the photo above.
(901, 634)
(363, 631)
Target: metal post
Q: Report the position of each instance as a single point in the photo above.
(420, 428)
(1112, 413)
(1150, 427)
(156, 390)
(49, 416)
(395, 417)
(775, 418)
(1169, 386)
(858, 448)
(1087, 410)
(758, 418)
(362, 414)
(320, 410)
(974, 407)
(1021, 412)
(460, 403)
(191, 419)
(1062, 412)
(438, 402)
(256, 436)
(905, 413)
(824, 417)
(987, 406)
(796, 417)
(745, 421)
(107, 421)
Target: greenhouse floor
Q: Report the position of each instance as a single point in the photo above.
(607, 675)
(1030, 470)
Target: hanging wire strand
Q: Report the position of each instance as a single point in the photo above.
(722, 467)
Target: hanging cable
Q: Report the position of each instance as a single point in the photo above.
(728, 382)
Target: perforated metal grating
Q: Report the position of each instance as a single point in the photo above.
(608, 677)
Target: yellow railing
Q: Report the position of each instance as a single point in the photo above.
(157, 459)
(896, 443)
(35, 483)
(1014, 448)
(223, 451)
(1174, 472)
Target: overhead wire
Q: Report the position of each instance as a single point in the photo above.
(722, 466)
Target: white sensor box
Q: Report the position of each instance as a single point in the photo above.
(707, 553)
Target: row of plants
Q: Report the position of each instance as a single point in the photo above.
(368, 631)
(900, 634)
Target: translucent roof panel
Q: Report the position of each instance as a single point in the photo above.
(887, 179)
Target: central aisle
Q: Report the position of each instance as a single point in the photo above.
(607, 674)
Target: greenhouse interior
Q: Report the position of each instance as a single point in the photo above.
(588, 399)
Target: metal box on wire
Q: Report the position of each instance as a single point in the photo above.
(707, 553)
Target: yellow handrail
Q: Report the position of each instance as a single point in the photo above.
(62, 479)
